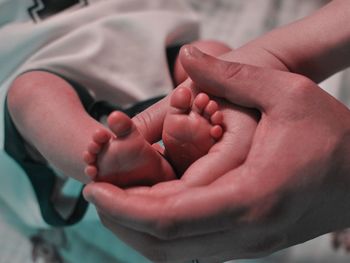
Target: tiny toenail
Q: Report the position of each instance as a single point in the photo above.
(217, 118)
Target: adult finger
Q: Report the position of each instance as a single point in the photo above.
(175, 251)
(193, 211)
(171, 216)
(240, 125)
(208, 248)
(242, 84)
(150, 121)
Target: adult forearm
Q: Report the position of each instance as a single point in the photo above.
(316, 46)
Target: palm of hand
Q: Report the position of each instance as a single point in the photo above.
(293, 177)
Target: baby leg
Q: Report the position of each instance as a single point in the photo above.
(51, 118)
(126, 158)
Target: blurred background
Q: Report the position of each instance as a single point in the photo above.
(234, 22)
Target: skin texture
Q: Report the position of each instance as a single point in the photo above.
(293, 184)
(190, 129)
(163, 235)
(51, 129)
(263, 205)
(125, 158)
(192, 125)
(42, 104)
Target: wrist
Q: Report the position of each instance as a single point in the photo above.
(257, 55)
(316, 46)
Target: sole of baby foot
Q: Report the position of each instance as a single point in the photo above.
(191, 128)
(128, 159)
(99, 139)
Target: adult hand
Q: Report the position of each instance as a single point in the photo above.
(294, 184)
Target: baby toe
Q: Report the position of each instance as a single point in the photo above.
(216, 132)
(91, 171)
(211, 108)
(200, 102)
(88, 157)
(217, 118)
(94, 148)
(101, 136)
(120, 123)
(181, 99)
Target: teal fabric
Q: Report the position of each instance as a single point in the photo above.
(41, 176)
(33, 212)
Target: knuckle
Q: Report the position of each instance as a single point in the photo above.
(300, 88)
(231, 70)
(296, 98)
(167, 224)
(269, 211)
(166, 229)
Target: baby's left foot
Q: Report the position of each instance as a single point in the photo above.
(124, 158)
(190, 128)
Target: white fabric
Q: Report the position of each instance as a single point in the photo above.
(114, 48)
(234, 22)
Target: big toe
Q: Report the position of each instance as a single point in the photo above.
(119, 123)
(101, 136)
(201, 101)
(181, 99)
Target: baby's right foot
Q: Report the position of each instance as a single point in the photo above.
(124, 158)
(190, 128)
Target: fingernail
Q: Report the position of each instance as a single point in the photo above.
(194, 52)
(88, 195)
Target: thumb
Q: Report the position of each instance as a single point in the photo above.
(150, 121)
(241, 84)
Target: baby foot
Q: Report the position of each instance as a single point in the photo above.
(190, 129)
(124, 158)
(99, 139)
